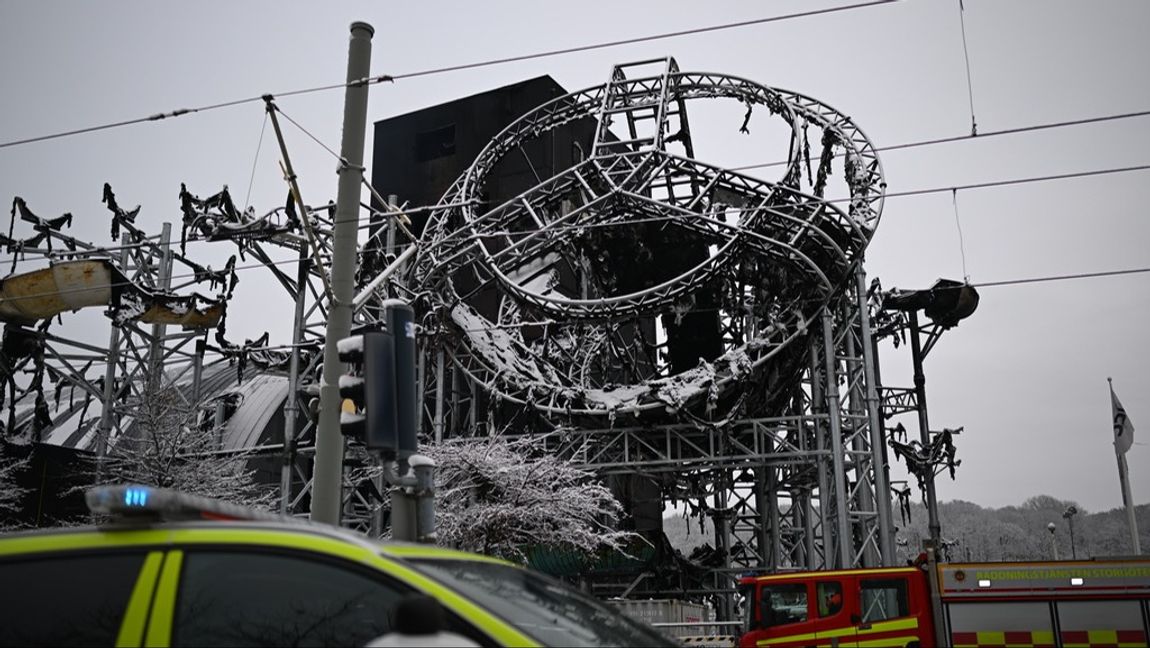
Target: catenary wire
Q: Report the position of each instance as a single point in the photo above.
(958, 225)
(453, 68)
(983, 284)
(966, 57)
(985, 135)
(913, 192)
(953, 189)
(641, 39)
(896, 194)
(255, 161)
(1080, 275)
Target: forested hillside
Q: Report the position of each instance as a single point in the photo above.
(975, 533)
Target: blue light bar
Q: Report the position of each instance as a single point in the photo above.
(135, 496)
(139, 502)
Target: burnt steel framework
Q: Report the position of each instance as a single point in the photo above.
(647, 313)
(560, 311)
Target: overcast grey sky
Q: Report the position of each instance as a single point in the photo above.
(1026, 375)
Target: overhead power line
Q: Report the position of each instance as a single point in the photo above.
(452, 68)
(982, 136)
(256, 266)
(895, 194)
(1081, 275)
(1013, 181)
(911, 192)
(642, 39)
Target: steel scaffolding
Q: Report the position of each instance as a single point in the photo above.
(646, 313)
(533, 324)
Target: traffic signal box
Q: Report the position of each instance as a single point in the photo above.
(379, 405)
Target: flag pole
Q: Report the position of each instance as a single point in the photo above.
(1123, 470)
(1127, 502)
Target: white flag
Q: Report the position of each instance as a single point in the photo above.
(1123, 426)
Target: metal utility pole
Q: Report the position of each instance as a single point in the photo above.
(933, 525)
(1053, 542)
(1069, 514)
(329, 442)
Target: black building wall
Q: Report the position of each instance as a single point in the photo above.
(418, 155)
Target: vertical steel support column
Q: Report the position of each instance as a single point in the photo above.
(934, 526)
(104, 433)
(198, 370)
(329, 442)
(809, 532)
(439, 380)
(291, 407)
(842, 524)
(164, 283)
(421, 380)
(722, 514)
(818, 405)
(389, 245)
(866, 518)
(762, 508)
(456, 410)
(774, 539)
(877, 432)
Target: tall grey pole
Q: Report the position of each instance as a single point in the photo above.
(164, 282)
(1124, 478)
(818, 407)
(105, 427)
(842, 523)
(933, 525)
(874, 417)
(291, 405)
(1128, 503)
(329, 442)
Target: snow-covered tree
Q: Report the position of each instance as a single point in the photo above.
(503, 498)
(167, 447)
(11, 466)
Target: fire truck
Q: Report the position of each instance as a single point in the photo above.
(1063, 604)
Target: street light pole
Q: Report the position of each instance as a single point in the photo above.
(328, 477)
(1053, 543)
(1069, 514)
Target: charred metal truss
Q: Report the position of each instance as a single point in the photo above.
(98, 387)
(650, 314)
(561, 310)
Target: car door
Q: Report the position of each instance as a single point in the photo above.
(884, 611)
(836, 612)
(283, 593)
(233, 596)
(77, 598)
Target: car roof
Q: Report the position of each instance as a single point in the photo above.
(138, 515)
(108, 532)
(412, 551)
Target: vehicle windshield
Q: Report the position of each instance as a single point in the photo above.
(540, 607)
(781, 604)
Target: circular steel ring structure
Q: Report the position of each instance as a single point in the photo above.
(568, 297)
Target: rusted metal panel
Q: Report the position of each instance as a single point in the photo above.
(41, 294)
(30, 297)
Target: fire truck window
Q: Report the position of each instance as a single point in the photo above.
(1032, 618)
(783, 604)
(1101, 622)
(884, 599)
(830, 598)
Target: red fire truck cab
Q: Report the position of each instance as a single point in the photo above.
(1055, 604)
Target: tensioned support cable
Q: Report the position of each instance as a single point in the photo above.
(454, 68)
(958, 224)
(305, 218)
(966, 56)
